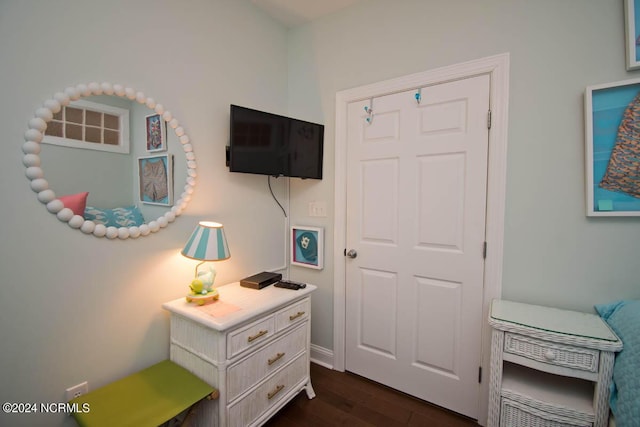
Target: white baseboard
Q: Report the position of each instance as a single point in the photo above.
(321, 356)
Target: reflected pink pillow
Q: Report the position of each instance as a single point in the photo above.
(75, 202)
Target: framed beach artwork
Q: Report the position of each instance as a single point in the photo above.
(612, 121)
(155, 175)
(632, 33)
(155, 131)
(307, 247)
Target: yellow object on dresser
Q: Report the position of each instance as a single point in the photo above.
(202, 299)
(252, 345)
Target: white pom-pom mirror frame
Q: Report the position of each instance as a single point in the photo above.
(31, 160)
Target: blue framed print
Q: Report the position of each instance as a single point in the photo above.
(307, 247)
(632, 33)
(612, 118)
(155, 176)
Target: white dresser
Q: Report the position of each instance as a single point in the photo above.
(252, 345)
(549, 367)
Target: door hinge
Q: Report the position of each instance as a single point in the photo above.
(489, 119)
(480, 374)
(484, 250)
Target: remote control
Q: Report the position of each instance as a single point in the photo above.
(289, 284)
(299, 284)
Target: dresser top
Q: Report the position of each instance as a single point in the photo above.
(550, 319)
(236, 305)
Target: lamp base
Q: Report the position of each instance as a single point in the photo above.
(201, 299)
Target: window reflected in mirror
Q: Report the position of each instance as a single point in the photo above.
(90, 125)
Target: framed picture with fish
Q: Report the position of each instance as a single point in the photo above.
(307, 247)
(632, 33)
(612, 131)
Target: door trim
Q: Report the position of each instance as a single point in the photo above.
(497, 67)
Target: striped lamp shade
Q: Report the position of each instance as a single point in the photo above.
(207, 243)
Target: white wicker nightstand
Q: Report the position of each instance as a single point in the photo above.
(549, 367)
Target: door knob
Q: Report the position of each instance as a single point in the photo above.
(352, 253)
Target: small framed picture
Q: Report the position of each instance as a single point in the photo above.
(632, 33)
(307, 247)
(155, 131)
(155, 174)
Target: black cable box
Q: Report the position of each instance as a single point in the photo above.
(260, 280)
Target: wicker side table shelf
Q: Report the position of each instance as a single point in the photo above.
(549, 367)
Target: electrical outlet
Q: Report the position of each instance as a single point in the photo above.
(77, 390)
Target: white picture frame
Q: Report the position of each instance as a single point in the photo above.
(307, 247)
(155, 178)
(632, 33)
(155, 133)
(605, 106)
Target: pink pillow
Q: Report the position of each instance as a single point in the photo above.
(75, 202)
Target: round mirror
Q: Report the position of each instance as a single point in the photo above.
(92, 122)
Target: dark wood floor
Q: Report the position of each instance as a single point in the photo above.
(345, 399)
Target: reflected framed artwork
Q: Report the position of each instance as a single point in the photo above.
(155, 131)
(612, 130)
(307, 247)
(155, 175)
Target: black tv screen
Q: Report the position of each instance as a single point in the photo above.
(269, 144)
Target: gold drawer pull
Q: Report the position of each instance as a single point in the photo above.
(275, 358)
(295, 316)
(256, 336)
(277, 390)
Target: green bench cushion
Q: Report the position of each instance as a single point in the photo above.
(147, 398)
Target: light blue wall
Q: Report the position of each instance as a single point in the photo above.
(554, 254)
(74, 307)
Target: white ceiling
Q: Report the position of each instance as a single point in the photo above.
(296, 12)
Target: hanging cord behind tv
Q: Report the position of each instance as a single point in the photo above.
(274, 196)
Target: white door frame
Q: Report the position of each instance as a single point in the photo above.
(498, 68)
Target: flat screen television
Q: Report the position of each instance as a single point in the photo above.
(269, 144)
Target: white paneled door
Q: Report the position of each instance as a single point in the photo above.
(416, 207)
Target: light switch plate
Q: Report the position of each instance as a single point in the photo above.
(318, 209)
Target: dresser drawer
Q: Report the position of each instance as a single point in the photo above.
(556, 354)
(516, 414)
(292, 314)
(250, 371)
(249, 408)
(250, 336)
